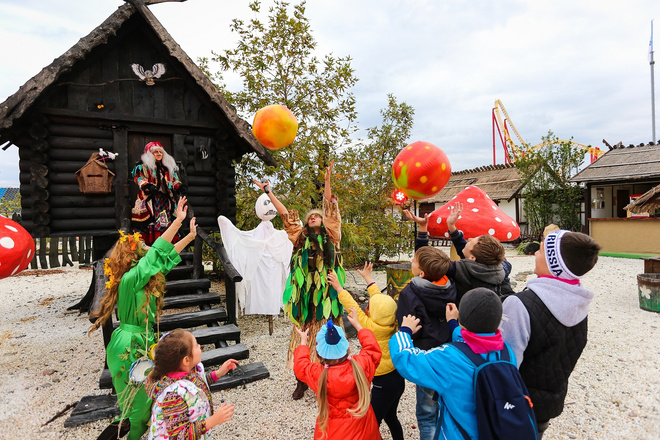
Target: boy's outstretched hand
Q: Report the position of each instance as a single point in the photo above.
(411, 322)
(353, 319)
(451, 312)
(366, 271)
(421, 222)
(453, 216)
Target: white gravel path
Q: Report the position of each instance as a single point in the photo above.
(47, 362)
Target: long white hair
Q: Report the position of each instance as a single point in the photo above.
(149, 161)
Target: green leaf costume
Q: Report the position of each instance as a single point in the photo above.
(136, 330)
(309, 300)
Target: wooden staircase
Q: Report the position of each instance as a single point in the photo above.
(189, 304)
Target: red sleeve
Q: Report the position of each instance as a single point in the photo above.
(304, 369)
(370, 354)
(177, 420)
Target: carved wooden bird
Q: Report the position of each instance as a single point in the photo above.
(148, 75)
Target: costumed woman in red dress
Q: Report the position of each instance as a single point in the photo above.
(159, 189)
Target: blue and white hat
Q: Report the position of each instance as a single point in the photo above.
(553, 257)
(331, 343)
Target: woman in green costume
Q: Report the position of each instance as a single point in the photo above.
(136, 283)
(309, 300)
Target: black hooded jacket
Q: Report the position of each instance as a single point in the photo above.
(427, 301)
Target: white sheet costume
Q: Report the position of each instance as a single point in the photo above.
(262, 257)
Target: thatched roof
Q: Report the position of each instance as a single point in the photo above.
(500, 182)
(632, 163)
(17, 105)
(647, 202)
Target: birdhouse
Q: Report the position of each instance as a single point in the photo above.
(95, 177)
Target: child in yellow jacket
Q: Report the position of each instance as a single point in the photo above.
(380, 318)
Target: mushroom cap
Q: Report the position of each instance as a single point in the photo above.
(480, 216)
(16, 247)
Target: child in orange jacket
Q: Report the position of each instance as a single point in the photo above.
(341, 381)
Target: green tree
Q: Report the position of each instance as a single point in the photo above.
(9, 207)
(550, 197)
(276, 62)
(372, 226)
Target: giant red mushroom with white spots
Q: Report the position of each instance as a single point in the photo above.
(16, 248)
(480, 216)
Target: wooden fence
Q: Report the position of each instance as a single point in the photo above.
(49, 250)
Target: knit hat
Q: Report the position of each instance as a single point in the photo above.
(151, 145)
(382, 309)
(480, 310)
(331, 343)
(553, 257)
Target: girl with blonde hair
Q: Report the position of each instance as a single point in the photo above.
(341, 382)
(136, 285)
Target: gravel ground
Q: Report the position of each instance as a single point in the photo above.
(48, 362)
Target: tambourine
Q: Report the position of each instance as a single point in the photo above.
(140, 370)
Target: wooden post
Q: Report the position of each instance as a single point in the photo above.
(43, 244)
(230, 296)
(198, 264)
(66, 261)
(53, 252)
(270, 325)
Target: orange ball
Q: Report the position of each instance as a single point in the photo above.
(275, 126)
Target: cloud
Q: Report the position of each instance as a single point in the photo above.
(579, 69)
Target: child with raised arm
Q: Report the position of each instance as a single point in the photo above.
(135, 287)
(445, 369)
(315, 252)
(546, 323)
(482, 262)
(179, 387)
(379, 317)
(341, 381)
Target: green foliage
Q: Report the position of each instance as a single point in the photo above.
(9, 207)
(372, 225)
(549, 195)
(276, 62)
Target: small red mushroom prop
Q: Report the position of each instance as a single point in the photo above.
(16, 248)
(480, 216)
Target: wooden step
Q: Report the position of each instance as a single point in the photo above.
(242, 375)
(181, 287)
(211, 335)
(185, 301)
(93, 408)
(180, 272)
(192, 319)
(216, 357)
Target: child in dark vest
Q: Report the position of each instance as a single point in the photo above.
(546, 324)
(426, 297)
(445, 369)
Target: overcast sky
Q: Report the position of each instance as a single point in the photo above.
(578, 68)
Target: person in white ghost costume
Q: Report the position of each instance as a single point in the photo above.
(262, 256)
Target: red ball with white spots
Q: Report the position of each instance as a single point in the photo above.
(480, 216)
(16, 248)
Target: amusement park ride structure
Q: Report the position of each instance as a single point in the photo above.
(512, 151)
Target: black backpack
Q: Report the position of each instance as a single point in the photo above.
(504, 409)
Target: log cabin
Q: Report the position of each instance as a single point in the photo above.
(125, 84)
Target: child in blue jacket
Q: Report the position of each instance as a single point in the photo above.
(445, 369)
